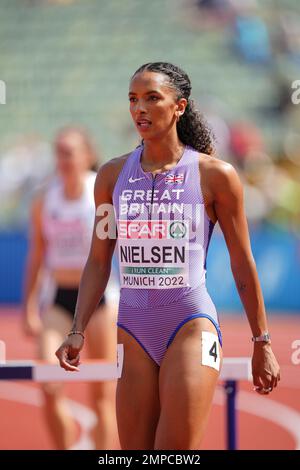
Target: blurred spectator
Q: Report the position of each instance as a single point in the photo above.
(272, 191)
(291, 147)
(246, 139)
(215, 112)
(289, 24)
(214, 13)
(251, 38)
(259, 175)
(213, 4)
(281, 103)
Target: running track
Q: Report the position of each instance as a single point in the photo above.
(264, 422)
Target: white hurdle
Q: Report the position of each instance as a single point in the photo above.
(233, 370)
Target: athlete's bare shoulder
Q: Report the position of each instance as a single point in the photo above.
(108, 174)
(216, 174)
(213, 165)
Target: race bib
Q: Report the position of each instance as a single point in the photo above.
(153, 254)
(210, 350)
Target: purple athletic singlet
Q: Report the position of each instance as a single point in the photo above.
(163, 238)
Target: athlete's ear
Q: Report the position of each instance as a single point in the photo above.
(180, 107)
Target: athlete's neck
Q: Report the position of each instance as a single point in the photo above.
(73, 187)
(161, 154)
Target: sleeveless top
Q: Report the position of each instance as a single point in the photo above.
(68, 225)
(163, 231)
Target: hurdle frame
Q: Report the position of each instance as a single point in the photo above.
(233, 370)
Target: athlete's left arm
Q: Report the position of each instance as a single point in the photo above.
(229, 208)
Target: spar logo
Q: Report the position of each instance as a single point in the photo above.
(157, 229)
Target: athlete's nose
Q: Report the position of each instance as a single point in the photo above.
(140, 108)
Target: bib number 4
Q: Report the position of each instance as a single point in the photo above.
(213, 351)
(210, 350)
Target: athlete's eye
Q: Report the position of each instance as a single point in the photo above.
(153, 98)
(132, 99)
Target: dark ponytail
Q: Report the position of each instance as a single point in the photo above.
(193, 130)
(192, 127)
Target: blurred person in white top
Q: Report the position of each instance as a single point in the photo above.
(61, 231)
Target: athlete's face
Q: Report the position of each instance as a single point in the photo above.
(154, 106)
(71, 155)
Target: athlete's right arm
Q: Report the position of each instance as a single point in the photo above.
(35, 258)
(97, 269)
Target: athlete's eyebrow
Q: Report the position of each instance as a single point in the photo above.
(148, 92)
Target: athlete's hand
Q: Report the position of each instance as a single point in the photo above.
(68, 353)
(265, 368)
(32, 325)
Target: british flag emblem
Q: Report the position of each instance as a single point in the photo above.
(174, 178)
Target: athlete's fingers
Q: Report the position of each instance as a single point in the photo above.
(64, 362)
(72, 353)
(65, 365)
(264, 391)
(262, 385)
(257, 381)
(277, 379)
(267, 381)
(74, 361)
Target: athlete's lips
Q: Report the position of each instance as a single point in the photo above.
(143, 123)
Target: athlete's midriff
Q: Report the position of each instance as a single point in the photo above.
(67, 277)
